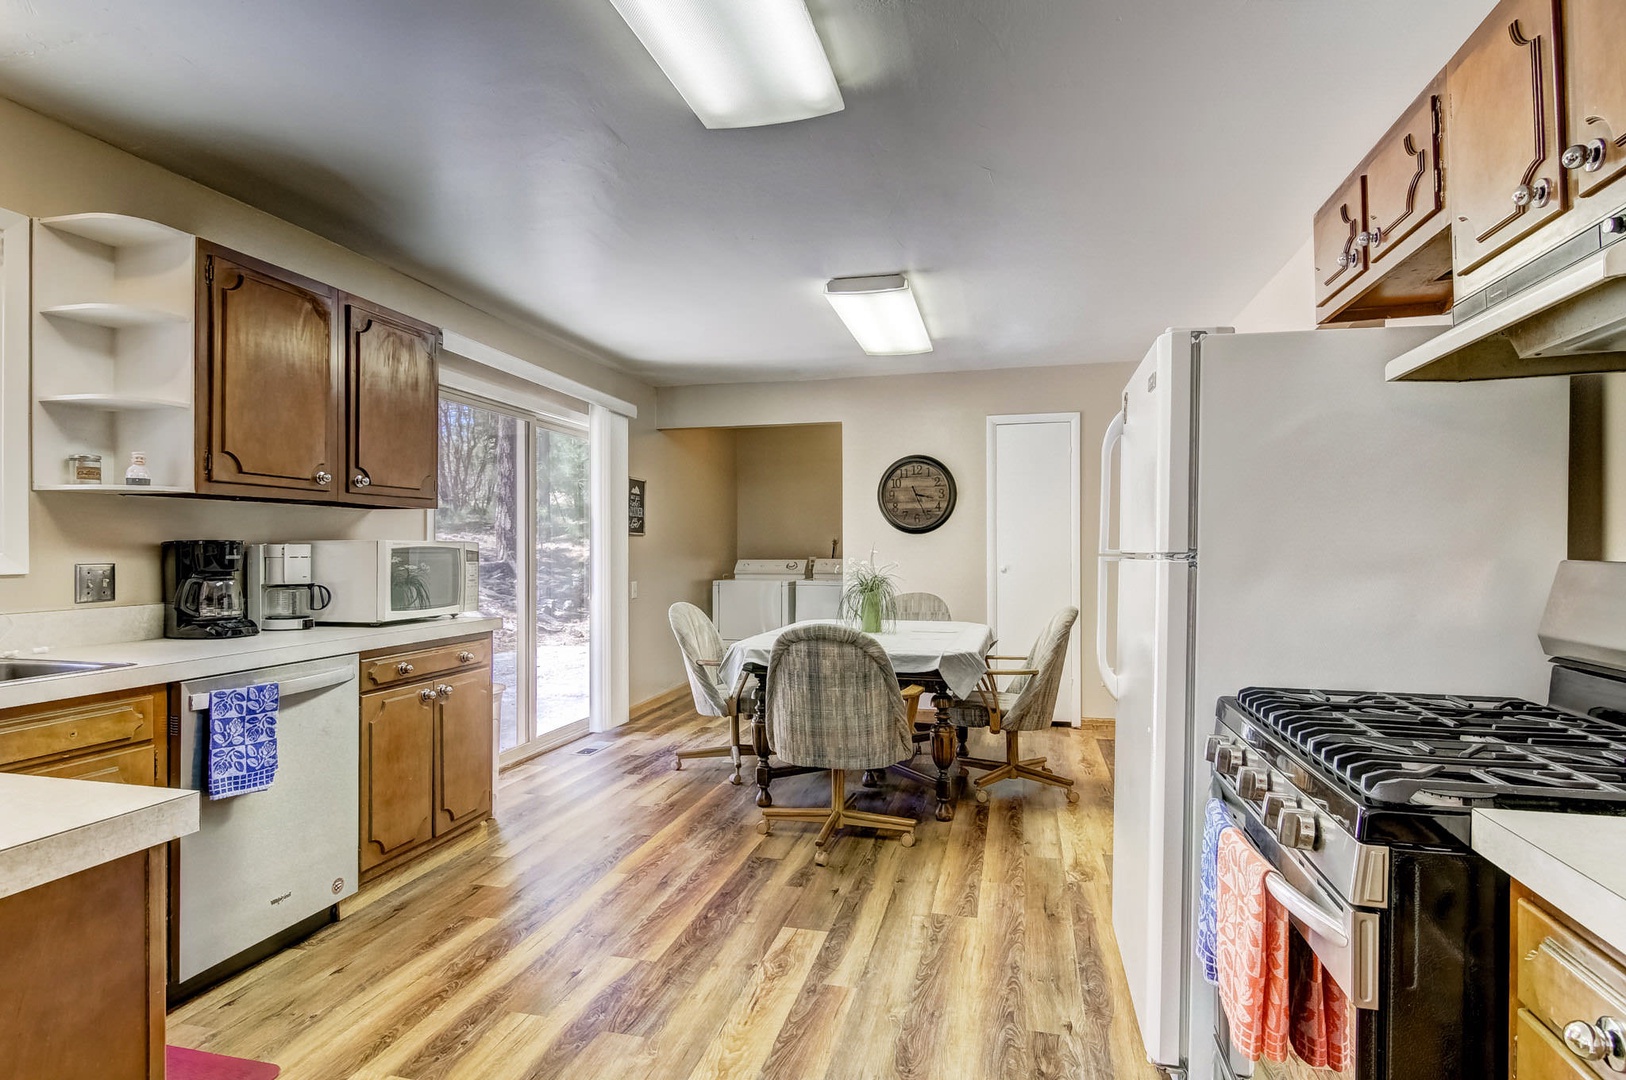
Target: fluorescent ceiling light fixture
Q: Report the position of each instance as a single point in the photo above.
(881, 313)
(738, 63)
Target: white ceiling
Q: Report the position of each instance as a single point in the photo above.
(1060, 178)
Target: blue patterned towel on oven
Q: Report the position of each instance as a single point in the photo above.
(1217, 820)
(242, 739)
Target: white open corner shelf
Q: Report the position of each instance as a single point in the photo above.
(113, 346)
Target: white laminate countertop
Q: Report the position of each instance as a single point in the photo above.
(165, 660)
(52, 827)
(1572, 861)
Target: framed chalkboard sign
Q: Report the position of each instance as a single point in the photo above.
(635, 507)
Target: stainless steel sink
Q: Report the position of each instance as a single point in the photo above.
(13, 670)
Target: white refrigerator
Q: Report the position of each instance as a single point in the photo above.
(1275, 513)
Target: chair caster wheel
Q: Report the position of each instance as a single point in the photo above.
(821, 858)
(907, 839)
(764, 827)
(677, 766)
(736, 781)
(982, 796)
(1072, 797)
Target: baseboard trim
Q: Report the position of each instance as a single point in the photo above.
(660, 700)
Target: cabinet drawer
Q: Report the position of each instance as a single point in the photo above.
(1562, 977)
(380, 671)
(130, 765)
(1538, 1055)
(75, 726)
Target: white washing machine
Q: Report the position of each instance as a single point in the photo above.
(819, 597)
(758, 598)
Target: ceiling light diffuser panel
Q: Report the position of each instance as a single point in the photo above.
(738, 63)
(881, 313)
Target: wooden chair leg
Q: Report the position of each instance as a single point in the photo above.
(1017, 767)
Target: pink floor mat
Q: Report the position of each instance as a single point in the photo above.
(183, 1064)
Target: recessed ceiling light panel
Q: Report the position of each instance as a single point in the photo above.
(881, 313)
(738, 63)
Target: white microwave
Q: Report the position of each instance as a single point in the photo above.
(384, 581)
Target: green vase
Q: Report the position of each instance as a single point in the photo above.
(869, 613)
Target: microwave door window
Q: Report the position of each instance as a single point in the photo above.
(425, 578)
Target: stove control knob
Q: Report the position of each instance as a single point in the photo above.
(1296, 829)
(1227, 760)
(1252, 784)
(1271, 809)
(1212, 747)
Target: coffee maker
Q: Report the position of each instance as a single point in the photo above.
(203, 589)
(281, 594)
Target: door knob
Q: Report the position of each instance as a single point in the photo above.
(323, 477)
(403, 668)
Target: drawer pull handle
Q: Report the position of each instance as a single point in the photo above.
(404, 668)
(465, 657)
(1603, 1041)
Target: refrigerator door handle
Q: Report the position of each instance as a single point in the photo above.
(1115, 434)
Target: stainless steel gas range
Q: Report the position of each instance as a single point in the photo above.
(1361, 802)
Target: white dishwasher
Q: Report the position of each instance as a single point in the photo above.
(265, 868)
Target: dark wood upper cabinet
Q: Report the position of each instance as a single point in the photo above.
(1595, 92)
(269, 380)
(392, 406)
(1339, 260)
(1504, 133)
(1405, 187)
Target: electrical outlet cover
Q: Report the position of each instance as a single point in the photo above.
(92, 583)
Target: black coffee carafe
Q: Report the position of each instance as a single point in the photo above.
(203, 590)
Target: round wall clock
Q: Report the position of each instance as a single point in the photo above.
(916, 494)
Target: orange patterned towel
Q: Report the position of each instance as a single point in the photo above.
(1253, 932)
(1320, 1033)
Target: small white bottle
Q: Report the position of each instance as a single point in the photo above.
(137, 475)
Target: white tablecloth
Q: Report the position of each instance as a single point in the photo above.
(953, 650)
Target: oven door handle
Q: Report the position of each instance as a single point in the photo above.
(1307, 911)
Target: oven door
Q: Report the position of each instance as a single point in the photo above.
(1345, 938)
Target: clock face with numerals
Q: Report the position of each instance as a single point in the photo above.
(916, 494)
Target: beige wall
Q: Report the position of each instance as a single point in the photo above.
(689, 539)
(789, 500)
(47, 168)
(943, 415)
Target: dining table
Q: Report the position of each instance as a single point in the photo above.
(948, 658)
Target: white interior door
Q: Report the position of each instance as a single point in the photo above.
(1033, 536)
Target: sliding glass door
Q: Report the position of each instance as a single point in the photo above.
(517, 484)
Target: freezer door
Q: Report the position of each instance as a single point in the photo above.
(1155, 499)
(1150, 765)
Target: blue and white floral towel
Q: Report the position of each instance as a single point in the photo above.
(242, 739)
(1218, 819)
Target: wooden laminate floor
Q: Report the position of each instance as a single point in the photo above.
(623, 920)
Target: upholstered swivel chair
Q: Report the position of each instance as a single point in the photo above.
(702, 649)
(1027, 703)
(920, 607)
(833, 703)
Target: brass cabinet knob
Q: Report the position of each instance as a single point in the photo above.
(404, 668)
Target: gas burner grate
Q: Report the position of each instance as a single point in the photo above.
(1400, 748)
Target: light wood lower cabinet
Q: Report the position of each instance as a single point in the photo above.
(426, 750)
(104, 737)
(1562, 977)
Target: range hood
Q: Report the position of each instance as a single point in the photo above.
(1563, 313)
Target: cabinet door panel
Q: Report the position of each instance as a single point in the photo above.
(463, 777)
(1503, 133)
(394, 397)
(270, 363)
(1403, 182)
(1595, 77)
(397, 781)
(1339, 260)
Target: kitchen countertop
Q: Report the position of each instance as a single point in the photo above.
(1571, 861)
(52, 827)
(165, 660)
